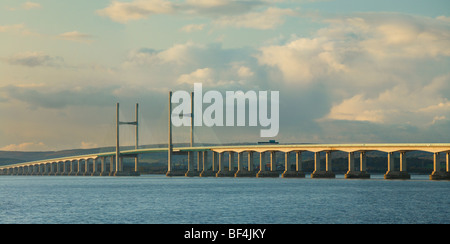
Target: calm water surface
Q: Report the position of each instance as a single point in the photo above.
(158, 199)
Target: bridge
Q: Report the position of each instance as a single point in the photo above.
(211, 159)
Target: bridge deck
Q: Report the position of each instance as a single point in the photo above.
(391, 147)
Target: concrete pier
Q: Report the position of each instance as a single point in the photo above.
(191, 172)
(241, 172)
(262, 167)
(352, 173)
(222, 172)
(393, 174)
(318, 172)
(288, 172)
(438, 173)
(207, 171)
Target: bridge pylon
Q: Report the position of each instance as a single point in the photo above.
(119, 165)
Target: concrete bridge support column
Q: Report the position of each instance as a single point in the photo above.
(273, 167)
(121, 172)
(447, 162)
(215, 162)
(79, 168)
(64, 168)
(71, 168)
(221, 169)
(251, 161)
(45, 169)
(58, 170)
(206, 171)
(231, 163)
(328, 162)
(86, 168)
(103, 169)
(299, 162)
(95, 171)
(437, 173)
(222, 172)
(395, 174)
(111, 166)
(199, 162)
(262, 165)
(51, 168)
(191, 169)
(318, 172)
(288, 172)
(352, 173)
(241, 171)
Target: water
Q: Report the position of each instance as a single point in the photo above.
(158, 199)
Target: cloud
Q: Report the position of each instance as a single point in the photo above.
(214, 8)
(76, 36)
(20, 29)
(26, 146)
(8, 28)
(123, 12)
(360, 45)
(268, 19)
(193, 27)
(188, 63)
(31, 5)
(401, 104)
(224, 13)
(34, 59)
(204, 76)
(304, 59)
(88, 145)
(59, 98)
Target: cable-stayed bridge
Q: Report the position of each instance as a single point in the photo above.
(210, 159)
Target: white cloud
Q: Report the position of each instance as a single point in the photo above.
(193, 27)
(208, 3)
(204, 76)
(304, 59)
(76, 36)
(33, 59)
(19, 29)
(8, 28)
(31, 5)
(268, 19)
(123, 12)
(26, 146)
(245, 72)
(401, 104)
(224, 13)
(88, 145)
(357, 47)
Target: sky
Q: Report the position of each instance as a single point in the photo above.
(347, 71)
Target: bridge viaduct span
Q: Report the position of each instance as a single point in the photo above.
(210, 161)
(111, 163)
